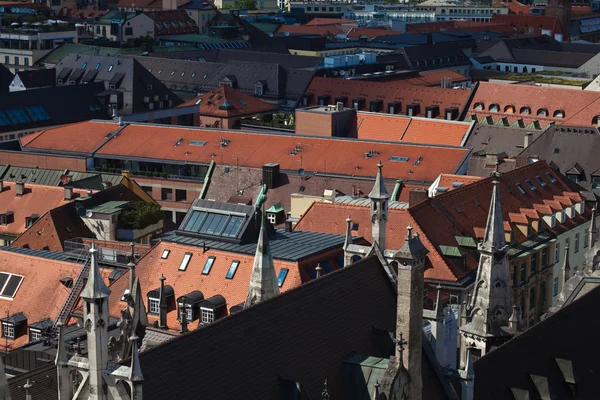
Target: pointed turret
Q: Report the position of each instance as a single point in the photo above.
(593, 231)
(135, 371)
(513, 321)
(439, 306)
(379, 206)
(95, 288)
(62, 366)
(494, 230)
(348, 242)
(438, 327)
(566, 268)
(263, 281)
(131, 265)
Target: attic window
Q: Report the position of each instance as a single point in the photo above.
(97, 66)
(159, 71)
(531, 186)
(559, 114)
(208, 265)
(520, 188)
(193, 75)
(9, 283)
(479, 106)
(148, 87)
(165, 254)
(550, 177)
(510, 109)
(542, 112)
(84, 65)
(172, 72)
(8, 330)
(540, 181)
(185, 261)
(525, 110)
(7, 218)
(232, 269)
(110, 68)
(197, 143)
(398, 159)
(494, 107)
(183, 73)
(281, 277)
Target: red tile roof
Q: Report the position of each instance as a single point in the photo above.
(387, 127)
(514, 6)
(36, 200)
(152, 265)
(432, 27)
(41, 294)
(388, 92)
(530, 24)
(255, 150)
(446, 180)
(324, 30)
(370, 32)
(213, 103)
(579, 107)
(434, 78)
(329, 21)
(331, 218)
(81, 137)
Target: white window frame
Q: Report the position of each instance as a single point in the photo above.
(35, 335)
(577, 243)
(185, 261)
(165, 254)
(188, 311)
(207, 315)
(555, 287)
(556, 252)
(8, 330)
(153, 304)
(125, 293)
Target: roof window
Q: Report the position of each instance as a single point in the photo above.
(193, 75)
(165, 254)
(232, 269)
(542, 112)
(281, 277)
(531, 185)
(208, 265)
(97, 66)
(110, 68)
(214, 223)
(559, 114)
(398, 159)
(550, 177)
(197, 143)
(9, 283)
(84, 66)
(186, 260)
(540, 181)
(520, 188)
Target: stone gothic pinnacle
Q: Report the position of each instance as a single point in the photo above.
(566, 269)
(379, 192)
(494, 230)
(95, 288)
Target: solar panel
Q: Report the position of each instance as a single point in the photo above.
(4, 119)
(18, 116)
(37, 113)
(11, 286)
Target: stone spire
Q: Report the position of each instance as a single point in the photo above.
(348, 242)
(437, 327)
(95, 288)
(62, 364)
(593, 231)
(379, 207)
(490, 305)
(513, 321)
(263, 281)
(131, 265)
(566, 268)
(28, 386)
(439, 306)
(135, 371)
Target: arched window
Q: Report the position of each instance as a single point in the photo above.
(494, 107)
(559, 114)
(479, 106)
(542, 112)
(596, 120)
(525, 110)
(509, 109)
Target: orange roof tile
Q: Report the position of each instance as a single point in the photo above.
(212, 103)
(36, 200)
(331, 218)
(448, 180)
(370, 32)
(530, 24)
(518, 218)
(329, 21)
(389, 127)
(388, 92)
(41, 294)
(255, 150)
(514, 6)
(579, 107)
(152, 265)
(434, 78)
(72, 137)
(323, 30)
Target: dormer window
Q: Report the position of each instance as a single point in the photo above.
(207, 315)
(14, 326)
(153, 305)
(112, 87)
(212, 309)
(35, 335)
(8, 330)
(259, 88)
(31, 220)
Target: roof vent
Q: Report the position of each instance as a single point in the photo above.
(177, 143)
(224, 142)
(20, 189)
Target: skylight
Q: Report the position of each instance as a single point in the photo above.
(165, 254)
(183, 73)
(243, 103)
(193, 75)
(398, 159)
(186, 260)
(531, 186)
(550, 177)
(540, 181)
(281, 277)
(84, 65)
(232, 268)
(37, 113)
(214, 224)
(110, 68)
(18, 115)
(98, 66)
(208, 265)
(4, 119)
(198, 101)
(197, 143)
(10, 284)
(520, 188)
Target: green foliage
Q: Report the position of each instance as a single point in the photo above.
(142, 214)
(245, 4)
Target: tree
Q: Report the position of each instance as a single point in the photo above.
(245, 4)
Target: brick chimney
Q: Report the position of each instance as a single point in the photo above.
(19, 189)
(416, 196)
(68, 193)
(527, 140)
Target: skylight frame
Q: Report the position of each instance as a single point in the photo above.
(550, 177)
(541, 181)
(399, 159)
(5, 285)
(165, 254)
(283, 273)
(232, 269)
(531, 185)
(185, 261)
(521, 189)
(210, 261)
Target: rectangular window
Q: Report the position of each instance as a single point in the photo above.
(576, 242)
(595, 182)
(232, 268)
(128, 31)
(166, 194)
(153, 306)
(556, 252)
(8, 330)
(188, 311)
(544, 257)
(207, 315)
(26, 61)
(534, 263)
(586, 239)
(281, 277)
(6, 60)
(147, 189)
(180, 195)
(523, 272)
(208, 265)
(185, 261)
(35, 335)
(532, 298)
(165, 254)
(555, 287)
(17, 60)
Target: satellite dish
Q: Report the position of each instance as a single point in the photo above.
(301, 172)
(89, 213)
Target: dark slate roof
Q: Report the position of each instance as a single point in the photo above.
(6, 78)
(51, 255)
(43, 380)
(566, 146)
(570, 334)
(180, 75)
(132, 78)
(52, 177)
(80, 100)
(291, 246)
(491, 139)
(34, 78)
(303, 335)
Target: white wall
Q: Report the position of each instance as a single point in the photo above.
(576, 259)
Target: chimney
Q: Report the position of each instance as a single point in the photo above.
(162, 320)
(183, 316)
(125, 173)
(20, 188)
(416, 196)
(527, 140)
(270, 175)
(121, 123)
(68, 193)
(339, 106)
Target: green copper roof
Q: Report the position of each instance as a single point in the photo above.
(465, 241)
(275, 208)
(451, 251)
